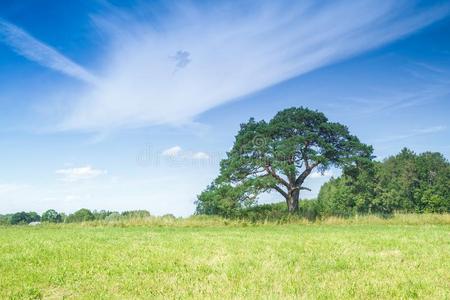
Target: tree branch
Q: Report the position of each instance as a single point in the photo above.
(304, 157)
(272, 172)
(280, 190)
(305, 174)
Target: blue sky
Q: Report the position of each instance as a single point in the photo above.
(131, 104)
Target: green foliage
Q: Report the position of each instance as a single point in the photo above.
(51, 216)
(404, 182)
(102, 214)
(279, 155)
(309, 209)
(5, 219)
(265, 212)
(136, 214)
(84, 215)
(278, 212)
(168, 217)
(24, 218)
(113, 216)
(224, 200)
(81, 215)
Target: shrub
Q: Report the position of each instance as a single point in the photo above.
(223, 200)
(272, 211)
(136, 214)
(5, 219)
(168, 216)
(115, 216)
(309, 209)
(102, 214)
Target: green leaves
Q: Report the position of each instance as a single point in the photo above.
(51, 216)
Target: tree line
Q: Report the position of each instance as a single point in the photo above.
(406, 182)
(82, 215)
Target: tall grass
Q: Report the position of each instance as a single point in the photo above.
(215, 221)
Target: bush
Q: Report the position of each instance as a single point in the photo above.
(168, 216)
(309, 209)
(221, 199)
(272, 211)
(102, 214)
(5, 219)
(115, 216)
(136, 214)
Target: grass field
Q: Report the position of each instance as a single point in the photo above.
(349, 260)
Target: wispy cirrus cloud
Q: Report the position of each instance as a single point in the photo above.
(194, 58)
(26, 45)
(391, 100)
(413, 133)
(228, 53)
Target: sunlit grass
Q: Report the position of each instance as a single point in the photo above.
(361, 258)
(205, 221)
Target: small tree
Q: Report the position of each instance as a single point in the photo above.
(281, 154)
(51, 216)
(81, 215)
(24, 218)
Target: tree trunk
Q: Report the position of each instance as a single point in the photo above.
(292, 200)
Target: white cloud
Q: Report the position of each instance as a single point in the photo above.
(177, 151)
(200, 156)
(80, 173)
(26, 45)
(196, 58)
(174, 151)
(316, 174)
(382, 99)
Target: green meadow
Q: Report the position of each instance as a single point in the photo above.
(366, 258)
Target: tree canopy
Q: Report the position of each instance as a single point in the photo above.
(51, 216)
(280, 154)
(24, 218)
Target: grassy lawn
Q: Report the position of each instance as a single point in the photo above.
(267, 261)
